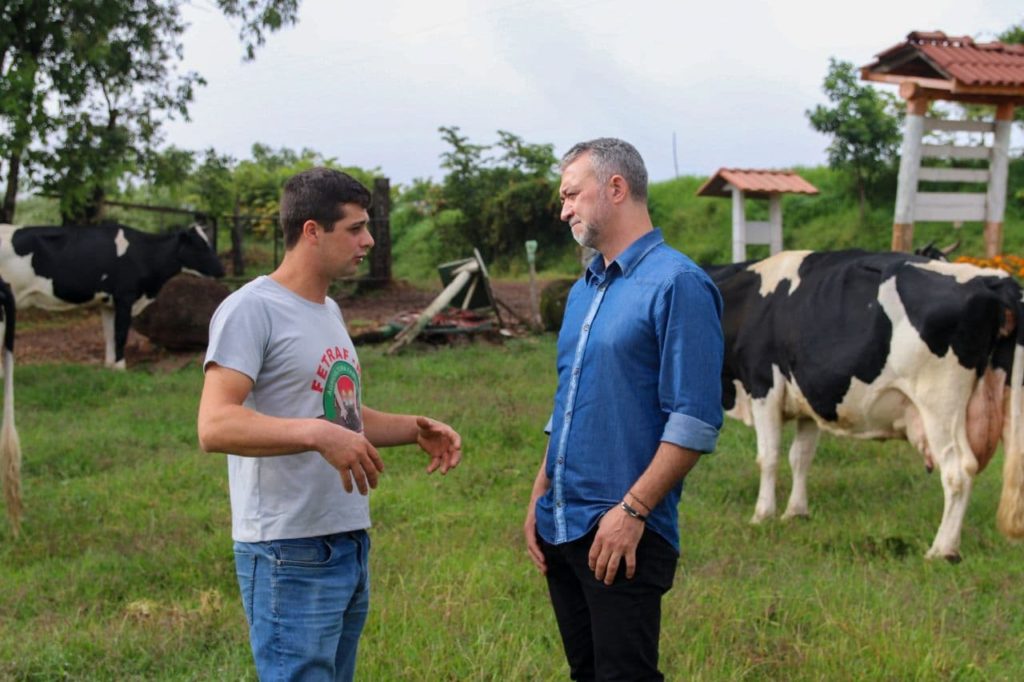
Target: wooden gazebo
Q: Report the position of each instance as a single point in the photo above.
(932, 66)
(740, 184)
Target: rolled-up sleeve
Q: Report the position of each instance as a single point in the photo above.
(689, 322)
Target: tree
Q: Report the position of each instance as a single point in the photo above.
(864, 124)
(86, 85)
(495, 203)
(29, 35)
(1015, 35)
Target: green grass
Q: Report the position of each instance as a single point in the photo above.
(124, 569)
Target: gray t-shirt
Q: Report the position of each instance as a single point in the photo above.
(303, 364)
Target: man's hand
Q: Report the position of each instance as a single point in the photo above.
(354, 457)
(618, 535)
(530, 531)
(441, 442)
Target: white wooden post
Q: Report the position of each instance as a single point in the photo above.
(998, 168)
(775, 220)
(739, 227)
(910, 166)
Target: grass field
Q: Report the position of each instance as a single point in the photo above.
(124, 569)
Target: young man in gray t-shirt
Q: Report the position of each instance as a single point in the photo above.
(283, 395)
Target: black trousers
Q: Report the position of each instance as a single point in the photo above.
(610, 632)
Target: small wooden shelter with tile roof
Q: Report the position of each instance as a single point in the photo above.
(740, 184)
(932, 66)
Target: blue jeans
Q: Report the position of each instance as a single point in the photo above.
(306, 601)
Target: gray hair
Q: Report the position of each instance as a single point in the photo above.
(612, 156)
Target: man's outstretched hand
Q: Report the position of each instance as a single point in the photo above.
(441, 442)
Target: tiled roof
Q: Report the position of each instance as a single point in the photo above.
(755, 182)
(958, 59)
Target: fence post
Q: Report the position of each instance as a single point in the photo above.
(237, 260)
(380, 228)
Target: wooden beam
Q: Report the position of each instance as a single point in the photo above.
(999, 169)
(950, 151)
(462, 276)
(903, 237)
(993, 239)
(739, 227)
(913, 90)
(949, 206)
(941, 174)
(986, 90)
(931, 124)
(775, 220)
(933, 83)
(910, 164)
(917, 106)
(380, 227)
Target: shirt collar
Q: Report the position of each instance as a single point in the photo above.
(628, 259)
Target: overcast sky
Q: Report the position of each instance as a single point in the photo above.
(369, 83)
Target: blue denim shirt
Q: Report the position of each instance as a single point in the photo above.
(639, 362)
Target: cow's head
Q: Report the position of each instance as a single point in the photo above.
(196, 254)
(929, 250)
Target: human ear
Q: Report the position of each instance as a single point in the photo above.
(619, 188)
(309, 230)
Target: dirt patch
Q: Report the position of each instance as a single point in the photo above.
(377, 307)
(76, 336)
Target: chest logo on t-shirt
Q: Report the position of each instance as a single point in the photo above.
(343, 396)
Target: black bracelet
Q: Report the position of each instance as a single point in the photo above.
(645, 505)
(632, 512)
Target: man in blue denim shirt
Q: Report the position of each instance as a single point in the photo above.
(638, 401)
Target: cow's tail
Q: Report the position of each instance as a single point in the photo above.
(10, 446)
(1010, 517)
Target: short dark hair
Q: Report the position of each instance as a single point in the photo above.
(612, 156)
(318, 194)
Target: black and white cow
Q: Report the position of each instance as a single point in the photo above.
(879, 345)
(57, 268)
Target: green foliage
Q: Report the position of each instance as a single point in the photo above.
(501, 201)
(220, 186)
(416, 250)
(87, 85)
(864, 124)
(1015, 35)
(37, 211)
(259, 18)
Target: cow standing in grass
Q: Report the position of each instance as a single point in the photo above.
(879, 345)
(57, 268)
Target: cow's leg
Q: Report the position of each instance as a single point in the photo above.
(107, 315)
(947, 439)
(768, 426)
(801, 453)
(116, 323)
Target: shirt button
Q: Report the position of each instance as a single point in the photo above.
(586, 328)
(561, 460)
(576, 371)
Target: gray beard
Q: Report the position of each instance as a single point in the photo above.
(586, 238)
